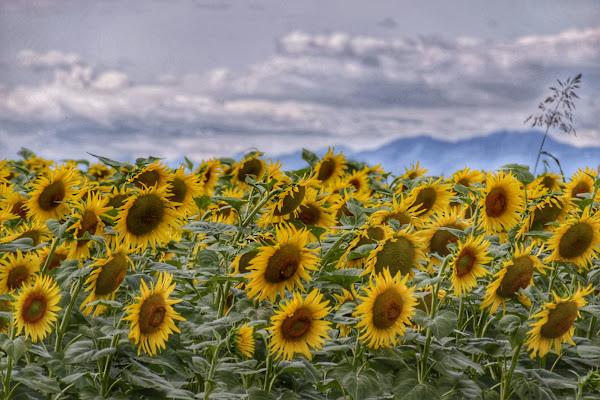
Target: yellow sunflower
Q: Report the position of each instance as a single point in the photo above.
(60, 254)
(14, 201)
(106, 278)
(554, 324)
(386, 309)
(147, 218)
(299, 325)
(437, 240)
(430, 197)
(342, 299)
(5, 306)
(467, 177)
(88, 221)
(152, 315)
(339, 202)
(100, 171)
(155, 174)
(314, 212)
(287, 205)
(501, 203)
(544, 207)
(368, 234)
(251, 165)
(549, 181)
(398, 251)
(36, 306)
(51, 195)
(330, 167)
(36, 231)
(400, 210)
(243, 340)
(209, 172)
(281, 266)
(580, 183)
(468, 264)
(514, 275)
(577, 240)
(182, 190)
(17, 269)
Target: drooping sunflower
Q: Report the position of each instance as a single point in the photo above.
(554, 324)
(543, 207)
(580, 183)
(281, 266)
(51, 195)
(152, 315)
(182, 190)
(577, 240)
(17, 269)
(386, 310)
(430, 197)
(243, 340)
(147, 218)
(398, 251)
(468, 264)
(287, 205)
(368, 234)
(514, 275)
(299, 326)
(14, 201)
(155, 174)
(549, 181)
(314, 212)
(36, 306)
(209, 172)
(400, 210)
(330, 167)
(501, 203)
(88, 221)
(106, 278)
(251, 165)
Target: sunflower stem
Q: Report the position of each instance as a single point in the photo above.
(223, 302)
(10, 362)
(553, 274)
(505, 388)
(105, 389)
(592, 327)
(213, 367)
(51, 254)
(63, 324)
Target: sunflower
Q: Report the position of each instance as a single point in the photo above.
(577, 240)
(209, 173)
(5, 306)
(345, 297)
(152, 315)
(88, 221)
(339, 202)
(5, 173)
(313, 212)
(436, 239)
(155, 174)
(60, 254)
(241, 262)
(299, 325)
(368, 234)
(251, 165)
(468, 264)
(414, 172)
(501, 203)
(182, 190)
(14, 201)
(466, 177)
(386, 310)
(580, 183)
(147, 218)
(549, 181)
(281, 266)
(330, 167)
(17, 269)
(544, 207)
(514, 275)
(555, 323)
(398, 251)
(51, 195)
(243, 340)
(35, 308)
(100, 171)
(106, 278)
(36, 231)
(401, 211)
(287, 205)
(430, 197)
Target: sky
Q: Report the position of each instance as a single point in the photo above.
(214, 78)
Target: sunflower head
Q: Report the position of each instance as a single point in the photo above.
(399, 252)
(501, 203)
(243, 340)
(430, 196)
(155, 174)
(251, 165)
(468, 264)
(51, 195)
(17, 269)
(330, 167)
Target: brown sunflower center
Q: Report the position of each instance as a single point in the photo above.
(34, 308)
(581, 187)
(57, 259)
(117, 201)
(326, 170)
(309, 214)
(17, 276)
(152, 313)
(290, 201)
(387, 308)
(465, 261)
(146, 213)
(495, 202)
(5, 306)
(548, 182)
(283, 263)
(250, 167)
(399, 216)
(51, 195)
(111, 275)
(576, 240)
(560, 320)
(517, 276)
(33, 235)
(355, 183)
(178, 190)
(296, 326)
(89, 223)
(245, 260)
(19, 209)
(465, 182)
(206, 176)
(425, 199)
(398, 256)
(441, 239)
(548, 213)
(146, 179)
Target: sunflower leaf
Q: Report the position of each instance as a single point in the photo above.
(209, 228)
(310, 157)
(34, 377)
(361, 251)
(56, 227)
(111, 163)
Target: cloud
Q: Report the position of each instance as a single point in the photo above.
(316, 90)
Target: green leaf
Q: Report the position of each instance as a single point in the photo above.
(111, 163)
(509, 323)
(26, 153)
(361, 251)
(56, 227)
(441, 326)
(411, 389)
(343, 277)
(527, 389)
(202, 202)
(310, 157)
(521, 172)
(585, 351)
(209, 228)
(142, 162)
(23, 244)
(34, 377)
(80, 352)
(103, 353)
(16, 348)
(189, 163)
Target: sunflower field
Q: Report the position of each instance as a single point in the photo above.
(238, 280)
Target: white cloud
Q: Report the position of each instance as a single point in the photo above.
(50, 59)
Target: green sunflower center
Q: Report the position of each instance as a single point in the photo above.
(441, 239)
(146, 179)
(425, 199)
(548, 213)
(250, 167)
(17, 276)
(296, 326)
(387, 308)
(145, 215)
(495, 202)
(111, 275)
(290, 201)
(465, 261)
(560, 320)
(178, 190)
(398, 256)
(34, 308)
(283, 263)
(581, 187)
(326, 170)
(517, 276)
(576, 240)
(245, 260)
(51, 195)
(152, 313)
(309, 214)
